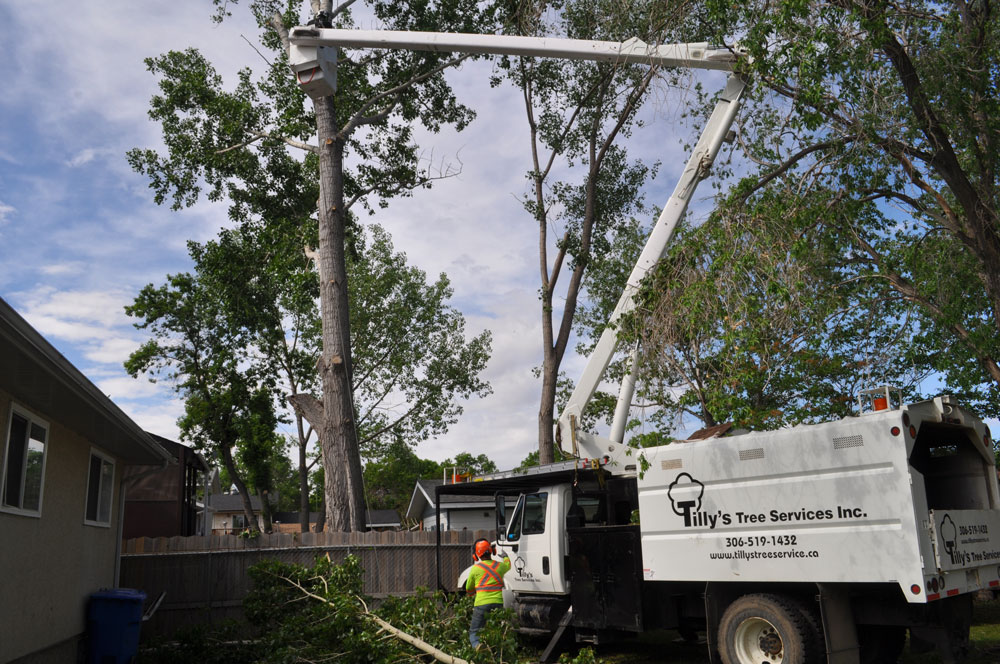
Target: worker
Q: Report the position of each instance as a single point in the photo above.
(486, 583)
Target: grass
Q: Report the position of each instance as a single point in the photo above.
(668, 648)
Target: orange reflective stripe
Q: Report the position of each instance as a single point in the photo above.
(490, 575)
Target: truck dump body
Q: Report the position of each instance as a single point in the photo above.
(906, 496)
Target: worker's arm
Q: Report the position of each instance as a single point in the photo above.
(504, 565)
(470, 583)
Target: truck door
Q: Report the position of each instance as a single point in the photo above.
(536, 566)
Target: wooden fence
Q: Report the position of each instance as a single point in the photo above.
(206, 579)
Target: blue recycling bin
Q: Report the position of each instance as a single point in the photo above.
(114, 617)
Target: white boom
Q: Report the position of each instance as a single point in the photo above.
(313, 61)
(634, 51)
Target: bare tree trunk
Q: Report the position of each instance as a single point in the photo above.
(265, 512)
(337, 433)
(303, 477)
(321, 519)
(546, 408)
(226, 454)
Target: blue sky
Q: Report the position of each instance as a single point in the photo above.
(80, 234)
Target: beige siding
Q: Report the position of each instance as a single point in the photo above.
(51, 564)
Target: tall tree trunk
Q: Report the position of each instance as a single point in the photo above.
(321, 518)
(303, 477)
(265, 512)
(226, 456)
(546, 408)
(337, 433)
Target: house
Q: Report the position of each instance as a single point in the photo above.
(65, 451)
(288, 522)
(382, 520)
(228, 517)
(457, 512)
(162, 502)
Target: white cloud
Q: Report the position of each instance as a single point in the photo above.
(58, 269)
(62, 309)
(5, 212)
(126, 388)
(159, 417)
(87, 155)
(114, 350)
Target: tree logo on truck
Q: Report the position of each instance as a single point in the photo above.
(685, 494)
(949, 533)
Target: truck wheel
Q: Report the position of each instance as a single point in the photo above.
(764, 629)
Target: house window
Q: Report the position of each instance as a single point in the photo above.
(24, 464)
(100, 488)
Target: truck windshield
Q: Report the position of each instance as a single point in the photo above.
(528, 517)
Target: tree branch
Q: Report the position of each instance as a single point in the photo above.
(358, 116)
(308, 407)
(439, 655)
(266, 134)
(278, 25)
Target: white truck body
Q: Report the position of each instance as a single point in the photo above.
(837, 502)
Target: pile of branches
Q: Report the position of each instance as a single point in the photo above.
(319, 614)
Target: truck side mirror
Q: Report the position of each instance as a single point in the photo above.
(501, 511)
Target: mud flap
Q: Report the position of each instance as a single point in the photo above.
(839, 631)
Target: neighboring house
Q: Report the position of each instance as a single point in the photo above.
(382, 520)
(288, 522)
(228, 517)
(65, 451)
(163, 502)
(457, 512)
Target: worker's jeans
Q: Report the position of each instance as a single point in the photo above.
(479, 620)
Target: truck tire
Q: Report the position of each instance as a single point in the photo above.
(765, 629)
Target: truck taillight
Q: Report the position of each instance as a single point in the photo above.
(895, 431)
(915, 589)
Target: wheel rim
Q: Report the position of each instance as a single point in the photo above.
(758, 642)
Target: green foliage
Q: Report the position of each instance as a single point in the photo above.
(409, 345)
(201, 348)
(236, 144)
(465, 462)
(294, 627)
(532, 459)
(889, 111)
(582, 656)
(747, 321)
(224, 643)
(389, 480)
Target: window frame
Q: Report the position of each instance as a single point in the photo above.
(105, 458)
(44, 424)
(517, 517)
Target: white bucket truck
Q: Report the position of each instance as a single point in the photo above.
(817, 543)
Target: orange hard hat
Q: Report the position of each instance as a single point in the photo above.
(482, 548)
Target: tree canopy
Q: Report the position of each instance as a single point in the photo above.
(888, 111)
(236, 145)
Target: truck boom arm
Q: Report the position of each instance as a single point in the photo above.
(315, 69)
(634, 51)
